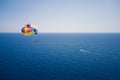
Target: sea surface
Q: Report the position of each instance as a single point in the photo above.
(55, 56)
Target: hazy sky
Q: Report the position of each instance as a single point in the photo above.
(61, 15)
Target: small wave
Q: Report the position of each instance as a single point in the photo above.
(83, 50)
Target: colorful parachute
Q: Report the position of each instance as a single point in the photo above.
(29, 29)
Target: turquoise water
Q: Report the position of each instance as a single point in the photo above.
(60, 56)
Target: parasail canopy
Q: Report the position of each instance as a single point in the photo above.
(29, 29)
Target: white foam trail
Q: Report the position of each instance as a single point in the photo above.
(82, 50)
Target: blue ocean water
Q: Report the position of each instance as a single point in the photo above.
(53, 56)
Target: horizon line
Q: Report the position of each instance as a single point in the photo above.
(63, 32)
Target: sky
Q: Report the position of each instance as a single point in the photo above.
(61, 16)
